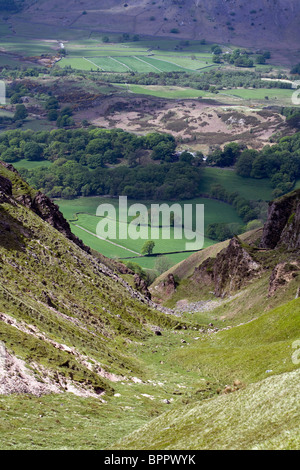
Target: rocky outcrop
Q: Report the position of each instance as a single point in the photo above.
(232, 269)
(38, 203)
(290, 236)
(5, 190)
(235, 266)
(283, 274)
(204, 273)
(16, 378)
(142, 286)
(50, 213)
(283, 225)
(167, 287)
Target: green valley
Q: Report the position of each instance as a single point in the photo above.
(129, 131)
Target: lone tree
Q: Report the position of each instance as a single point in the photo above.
(21, 113)
(148, 248)
(162, 264)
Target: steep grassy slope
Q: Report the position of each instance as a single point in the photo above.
(248, 351)
(264, 416)
(81, 367)
(62, 311)
(252, 411)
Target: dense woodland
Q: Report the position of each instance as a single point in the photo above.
(95, 161)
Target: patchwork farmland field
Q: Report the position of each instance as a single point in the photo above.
(141, 57)
(135, 63)
(262, 94)
(81, 213)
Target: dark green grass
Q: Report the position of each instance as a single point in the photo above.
(249, 188)
(82, 212)
(28, 165)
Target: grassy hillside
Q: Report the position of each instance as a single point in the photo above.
(82, 368)
(62, 308)
(251, 411)
(264, 416)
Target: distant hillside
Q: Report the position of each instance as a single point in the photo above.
(260, 23)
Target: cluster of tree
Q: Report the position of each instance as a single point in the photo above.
(52, 106)
(296, 69)
(64, 117)
(6, 120)
(18, 72)
(20, 114)
(90, 147)
(69, 179)
(292, 117)
(245, 209)
(239, 57)
(16, 91)
(76, 152)
(126, 37)
(222, 231)
(280, 163)
(226, 157)
(220, 79)
(242, 58)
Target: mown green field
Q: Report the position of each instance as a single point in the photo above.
(81, 212)
(262, 94)
(82, 215)
(249, 188)
(6, 60)
(79, 63)
(28, 47)
(31, 165)
(135, 63)
(171, 92)
(141, 56)
(92, 54)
